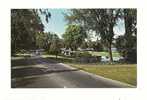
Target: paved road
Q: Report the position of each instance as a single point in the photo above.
(42, 73)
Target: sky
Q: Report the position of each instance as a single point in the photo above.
(57, 23)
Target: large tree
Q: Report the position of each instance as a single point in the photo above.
(100, 21)
(74, 36)
(25, 23)
(127, 44)
(42, 40)
(55, 45)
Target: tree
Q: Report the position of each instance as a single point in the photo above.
(25, 23)
(97, 46)
(127, 44)
(101, 21)
(84, 45)
(40, 39)
(55, 45)
(74, 36)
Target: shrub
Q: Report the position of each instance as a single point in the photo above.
(85, 54)
(126, 46)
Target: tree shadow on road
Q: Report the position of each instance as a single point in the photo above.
(29, 75)
(23, 72)
(31, 61)
(27, 71)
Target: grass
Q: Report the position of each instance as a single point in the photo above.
(114, 54)
(125, 73)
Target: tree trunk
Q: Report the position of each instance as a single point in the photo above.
(110, 42)
(110, 54)
(56, 56)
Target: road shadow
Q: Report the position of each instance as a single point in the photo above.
(29, 75)
(23, 72)
(31, 61)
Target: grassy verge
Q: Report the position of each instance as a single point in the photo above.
(125, 73)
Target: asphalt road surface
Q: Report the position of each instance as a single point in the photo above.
(44, 73)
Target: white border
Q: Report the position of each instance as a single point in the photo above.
(6, 93)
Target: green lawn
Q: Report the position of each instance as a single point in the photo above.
(125, 73)
(94, 53)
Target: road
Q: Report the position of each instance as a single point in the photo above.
(45, 73)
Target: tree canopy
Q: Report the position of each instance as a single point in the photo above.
(74, 36)
(127, 44)
(101, 21)
(25, 23)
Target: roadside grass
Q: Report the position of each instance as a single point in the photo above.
(122, 72)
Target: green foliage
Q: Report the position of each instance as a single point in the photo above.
(101, 21)
(74, 36)
(55, 45)
(84, 54)
(25, 23)
(127, 48)
(84, 45)
(96, 45)
(130, 18)
(41, 39)
(127, 44)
